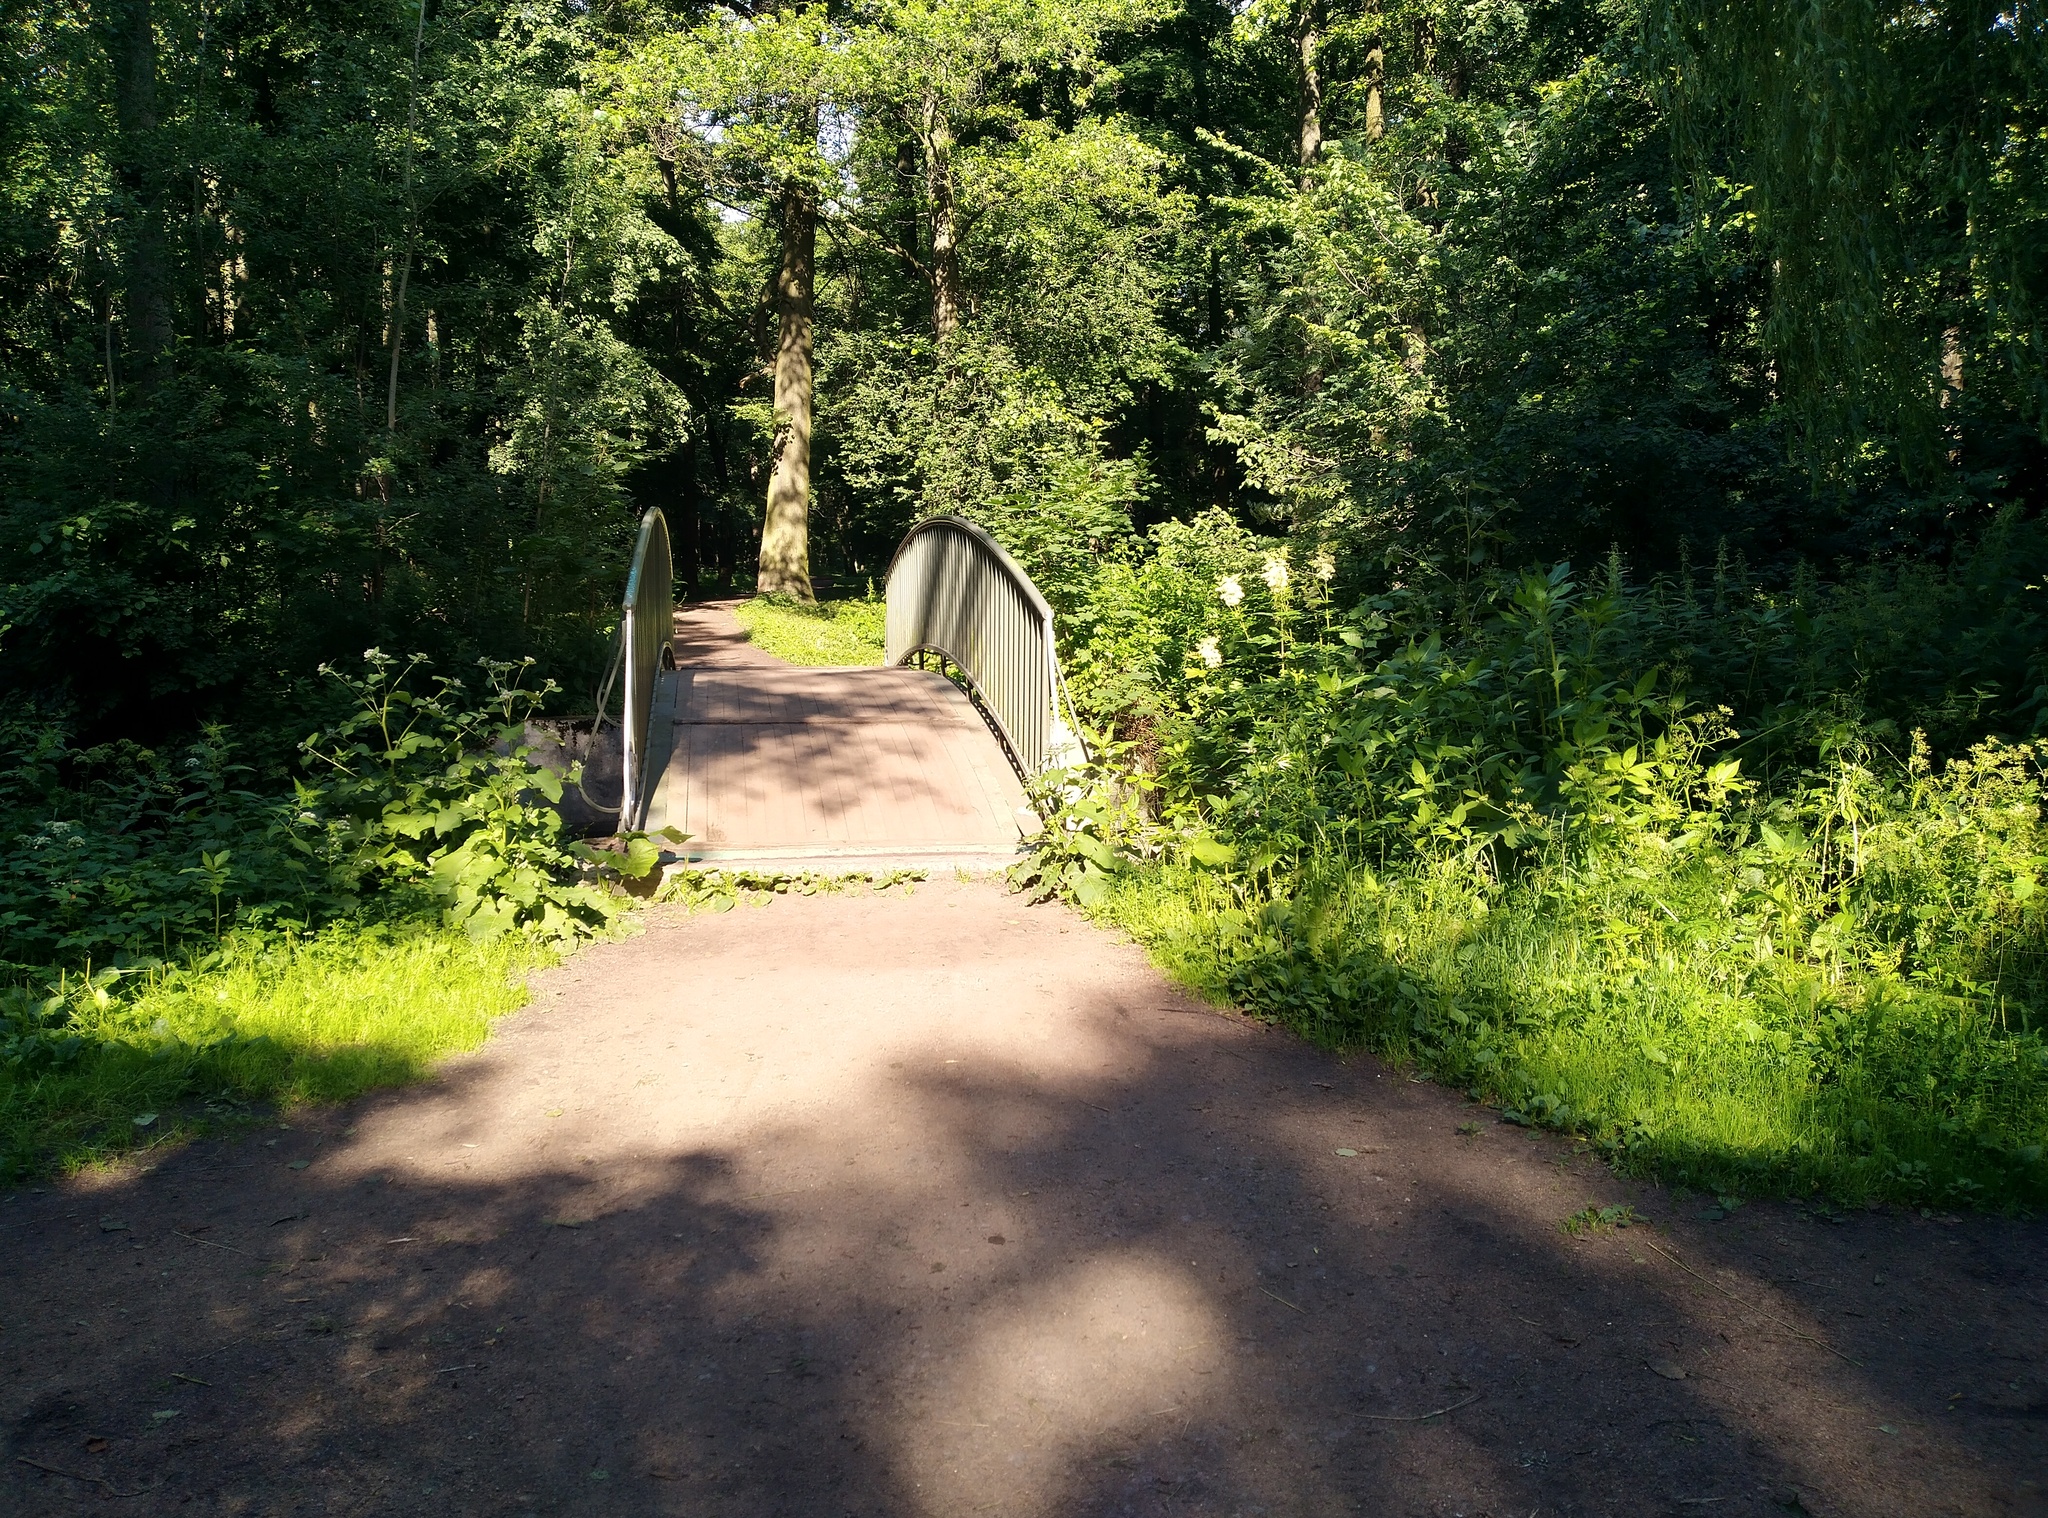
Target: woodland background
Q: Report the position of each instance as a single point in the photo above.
(348, 324)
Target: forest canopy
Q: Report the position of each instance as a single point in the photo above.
(351, 324)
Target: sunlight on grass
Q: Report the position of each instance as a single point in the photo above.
(268, 1020)
(1676, 1057)
(831, 633)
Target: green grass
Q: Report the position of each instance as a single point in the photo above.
(1619, 1006)
(829, 633)
(265, 1022)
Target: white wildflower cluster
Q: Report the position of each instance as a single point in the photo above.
(1275, 573)
(1231, 590)
(1325, 566)
(1212, 656)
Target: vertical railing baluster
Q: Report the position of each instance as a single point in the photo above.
(953, 590)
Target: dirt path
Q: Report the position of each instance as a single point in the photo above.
(943, 1206)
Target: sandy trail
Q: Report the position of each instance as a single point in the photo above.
(941, 1205)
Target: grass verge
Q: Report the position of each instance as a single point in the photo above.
(1616, 1007)
(266, 1020)
(831, 633)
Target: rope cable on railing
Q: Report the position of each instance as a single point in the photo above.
(604, 701)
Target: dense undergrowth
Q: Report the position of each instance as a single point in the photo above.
(1742, 883)
(185, 939)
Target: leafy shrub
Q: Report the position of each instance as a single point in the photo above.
(122, 850)
(1484, 826)
(414, 800)
(192, 941)
(432, 791)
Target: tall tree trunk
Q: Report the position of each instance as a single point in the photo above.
(1307, 40)
(682, 515)
(131, 48)
(1957, 291)
(937, 133)
(785, 564)
(1375, 86)
(412, 225)
(1199, 64)
(906, 190)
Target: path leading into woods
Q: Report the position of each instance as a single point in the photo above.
(836, 769)
(941, 1205)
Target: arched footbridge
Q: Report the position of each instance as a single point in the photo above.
(922, 762)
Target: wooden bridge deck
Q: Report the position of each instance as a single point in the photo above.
(763, 762)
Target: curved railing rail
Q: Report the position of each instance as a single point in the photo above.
(646, 645)
(952, 590)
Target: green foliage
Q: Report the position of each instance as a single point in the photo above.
(831, 633)
(95, 1063)
(187, 944)
(1895, 164)
(432, 791)
(415, 799)
(333, 344)
(717, 889)
(1330, 364)
(119, 850)
(1591, 1220)
(1481, 826)
(1091, 824)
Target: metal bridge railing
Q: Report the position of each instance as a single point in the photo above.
(952, 590)
(646, 647)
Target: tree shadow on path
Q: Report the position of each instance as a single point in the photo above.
(1085, 1249)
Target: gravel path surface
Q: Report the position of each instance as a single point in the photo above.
(941, 1205)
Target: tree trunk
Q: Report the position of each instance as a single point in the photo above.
(412, 224)
(131, 48)
(906, 190)
(938, 174)
(1957, 290)
(785, 564)
(1311, 139)
(682, 515)
(1375, 86)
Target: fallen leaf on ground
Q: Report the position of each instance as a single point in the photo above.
(298, 1164)
(1670, 1370)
